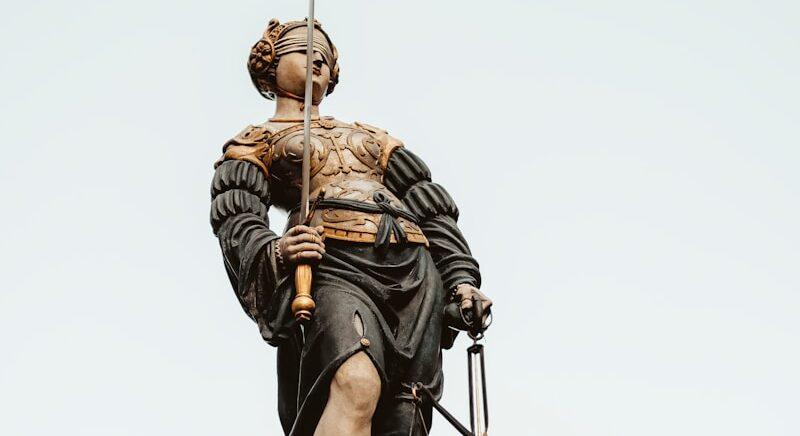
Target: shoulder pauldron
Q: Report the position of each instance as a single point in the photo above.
(251, 145)
(388, 144)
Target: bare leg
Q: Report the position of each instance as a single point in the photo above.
(355, 390)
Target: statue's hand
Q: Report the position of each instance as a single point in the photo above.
(301, 244)
(464, 296)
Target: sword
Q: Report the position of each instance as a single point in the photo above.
(303, 305)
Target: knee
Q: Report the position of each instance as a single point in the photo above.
(357, 382)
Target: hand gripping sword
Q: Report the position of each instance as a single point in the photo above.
(303, 305)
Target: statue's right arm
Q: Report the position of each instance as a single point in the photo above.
(240, 199)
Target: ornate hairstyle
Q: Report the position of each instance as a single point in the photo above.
(267, 51)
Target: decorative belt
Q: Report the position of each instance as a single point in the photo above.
(388, 227)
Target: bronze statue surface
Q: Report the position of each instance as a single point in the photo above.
(386, 253)
(347, 162)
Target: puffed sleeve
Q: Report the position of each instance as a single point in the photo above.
(407, 176)
(240, 199)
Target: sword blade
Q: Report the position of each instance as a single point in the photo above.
(304, 189)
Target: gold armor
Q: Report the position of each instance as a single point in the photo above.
(347, 162)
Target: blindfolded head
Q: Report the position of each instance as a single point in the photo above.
(289, 41)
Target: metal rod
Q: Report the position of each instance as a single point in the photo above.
(303, 305)
(478, 402)
(445, 414)
(304, 193)
(471, 377)
(483, 392)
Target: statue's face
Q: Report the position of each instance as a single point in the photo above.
(291, 71)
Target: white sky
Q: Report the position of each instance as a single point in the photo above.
(627, 173)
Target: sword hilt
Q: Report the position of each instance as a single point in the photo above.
(303, 305)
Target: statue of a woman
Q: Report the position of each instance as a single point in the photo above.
(387, 253)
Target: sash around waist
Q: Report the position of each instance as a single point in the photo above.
(394, 224)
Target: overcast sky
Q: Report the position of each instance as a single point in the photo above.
(627, 174)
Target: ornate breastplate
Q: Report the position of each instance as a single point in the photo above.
(345, 164)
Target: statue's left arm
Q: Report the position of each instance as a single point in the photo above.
(240, 194)
(240, 199)
(409, 178)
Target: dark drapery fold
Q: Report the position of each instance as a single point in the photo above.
(427, 199)
(239, 204)
(410, 179)
(238, 174)
(396, 291)
(450, 252)
(397, 296)
(404, 170)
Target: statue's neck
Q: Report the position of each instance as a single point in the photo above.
(287, 108)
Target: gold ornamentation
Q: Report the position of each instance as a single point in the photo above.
(327, 123)
(388, 143)
(345, 162)
(254, 155)
(369, 238)
(251, 145)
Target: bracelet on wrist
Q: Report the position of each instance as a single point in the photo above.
(279, 256)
